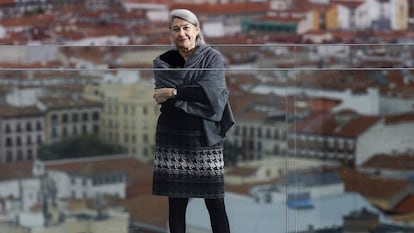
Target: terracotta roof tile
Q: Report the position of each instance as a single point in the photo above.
(371, 187)
(405, 206)
(224, 8)
(12, 171)
(400, 162)
(400, 118)
(350, 4)
(67, 103)
(7, 2)
(323, 122)
(7, 111)
(356, 126)
(137, 171)
(322, 104)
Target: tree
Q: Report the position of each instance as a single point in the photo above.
(78, 147)
(231, 153)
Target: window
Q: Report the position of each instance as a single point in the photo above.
(268, 133)
(9, 142)
(85, 116)
(29, 140)
(95, 116)
(39, 139)
(84, 129)
(38, 126)
(144, 110)
(54, 118)
(65, 118)
(28, 127)
(64, 132)
(75, 117)
(18, 128)
(9, 156)
(18, 141)
(276, 134)
(29, 155)
(8, 129)
(54, 133)
(251, 131)
(126, 109)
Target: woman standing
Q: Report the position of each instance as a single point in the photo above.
(195, 115)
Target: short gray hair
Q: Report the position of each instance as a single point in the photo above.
(190, 17)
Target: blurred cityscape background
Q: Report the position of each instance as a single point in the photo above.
(322, 92)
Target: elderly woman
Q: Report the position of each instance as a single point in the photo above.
(195, 115)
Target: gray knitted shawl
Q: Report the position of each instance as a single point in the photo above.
(205, 68)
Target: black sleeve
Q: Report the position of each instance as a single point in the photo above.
(191, 93)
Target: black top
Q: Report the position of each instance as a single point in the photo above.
(175, 118)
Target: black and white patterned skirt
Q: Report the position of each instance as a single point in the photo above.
(184, 166)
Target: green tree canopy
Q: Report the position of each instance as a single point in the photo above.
(232, 152)
(78, 147)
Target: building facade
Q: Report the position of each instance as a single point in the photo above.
(69, 117)
(129, 117)
(21, 133)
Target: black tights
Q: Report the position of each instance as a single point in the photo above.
(216, 209)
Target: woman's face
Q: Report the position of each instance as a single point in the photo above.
(184, 34)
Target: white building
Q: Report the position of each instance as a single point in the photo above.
(392, 133)
(344, 17)
(380, 15)
(368, 102)
(86, 178)
(395, 104)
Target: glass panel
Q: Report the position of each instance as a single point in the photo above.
(323, 141)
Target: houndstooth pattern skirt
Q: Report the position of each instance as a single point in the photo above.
(184, 166)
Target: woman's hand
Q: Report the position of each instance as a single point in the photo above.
(163, 94)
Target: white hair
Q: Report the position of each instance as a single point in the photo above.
(190, 17)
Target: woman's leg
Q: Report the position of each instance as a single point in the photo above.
(176, 214)
(218, 215)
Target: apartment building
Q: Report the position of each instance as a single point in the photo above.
(325, 136)
(128, 118)
(261, 126)
(63, 191)
(382, 15)
(350, 138)
(69, 116)
(88, 177)
(21, 133)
